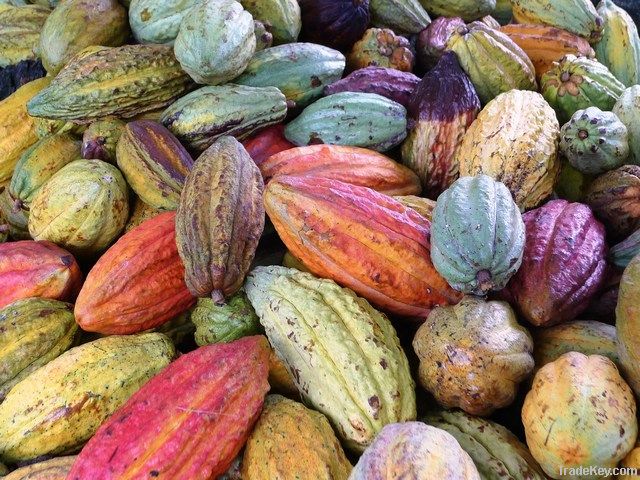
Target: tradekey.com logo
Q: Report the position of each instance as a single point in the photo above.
(594, 471)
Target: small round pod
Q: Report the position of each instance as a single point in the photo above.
(579, 413)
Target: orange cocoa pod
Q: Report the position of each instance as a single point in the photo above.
(188, 422)
(37, 269)
(266, 143)
(362, 239)
(354, 165)
(137, 284)
(544, 44)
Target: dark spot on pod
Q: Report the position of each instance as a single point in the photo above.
(154, 473)
(67, 260)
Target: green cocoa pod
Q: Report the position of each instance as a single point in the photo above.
(100, 139)
(83, 207)
(264, 38)
(594, 141)
(199, 118)
(20, 29)
(622, 253)
(45, 127)
(148, 78)
(496, 452)
(627, 108)
(15, 219)
(215, 41)
(34, 332)
(38, 164)
(77, 24)
(355, 119)
(468, 10)
(299, 70)
(584, 336)
(4, 229)
(58, 407)
(158, 21)
(503, 12)
(577, 83)
(154, 163)
(281, 16)
(401, 16)
(344, 356)
(224, 323)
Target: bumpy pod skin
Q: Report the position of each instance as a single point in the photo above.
(545, 45)
(584, 336)
(357, 166)
(34, 331)
(515, 141)
(149, 77)
(53, 469)
(353, 119)
(57, 408)
(381, 47)
(83, 207)
(466, 363)
(37, 269)
(215, 41)
(388, 82)
(224, 323)
(585, 387)
(299, 70)
(17, 127)
(495, 64)
(558, 276)
(283, 17)
(137, 284)
(627, 320)
(477, 235)
(401, 16)
(344, 356)
(38, 164)
(619, 48)
(627, 108)
(20, 29)
(77, 24)
(496, 452)
(414, 450)
(154, 163)
(622, 253)
(99, 140)
(291, 441)
(220, 220)
(576, 16)
(469, 10)
(594, 141)
(359, 238)
(187, 423)
(438, 125)
(615, 200)
(577, 83)
(267, 142)
(154, 21)
(201, 117)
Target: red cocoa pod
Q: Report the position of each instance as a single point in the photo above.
(37, 269)
(362, 239)
(563, 266)
(137, 284)
(267, 142)
(188, 422)
(354, 165)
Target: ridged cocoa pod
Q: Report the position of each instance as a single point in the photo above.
(563, 265)
(37, 269)
(439, 124)
(187, 423)
(220, 219)
(381, 47)
(336, 23)
(154, 163)
(34, 331)
(615, 200)
(360, 238)
(291, 442)
(100, 139)
(140, 212)
(54, 469)
(357, 166)
(388, 82)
